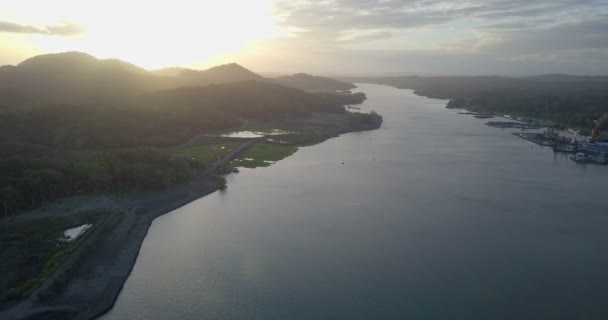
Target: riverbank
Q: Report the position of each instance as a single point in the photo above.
(95, 283)
(97, 280)
(312, 238)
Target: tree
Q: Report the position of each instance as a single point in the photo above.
(8, 196)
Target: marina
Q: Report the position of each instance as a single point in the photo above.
(585, 150)
(514, 124)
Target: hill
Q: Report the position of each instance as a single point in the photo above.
(74, 100)
(76, 77)
(308, 82)
(566, 99)
(71, 123)
(79, 78)
(163, 117)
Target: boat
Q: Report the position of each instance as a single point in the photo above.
(582, 157)
(594, 147)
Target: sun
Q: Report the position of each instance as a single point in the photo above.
(152, 34)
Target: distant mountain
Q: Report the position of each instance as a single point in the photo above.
(566, 99)
(42, 101)
(169, 72)
(77, 78)
(308, 82)
(568, 78)
(76, 62)
(9, 99)
(164, 117)
(247, 99)
(226, 73)
(82, 79)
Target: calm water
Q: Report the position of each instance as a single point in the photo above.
(453, 220)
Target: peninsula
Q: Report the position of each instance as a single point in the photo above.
(106, 147)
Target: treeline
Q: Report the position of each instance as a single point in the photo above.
(165, 117)
(55, 108)
(29, 182)
(571, 100)
(572, 110)
(344, 98)
(308, 82)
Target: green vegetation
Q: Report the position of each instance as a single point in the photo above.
(30, 250)
(570, 100)
(103, 227)
(73, 124)
(206, 153)
(264, 154)
(307, 82)
(30, 182)
(121, 105)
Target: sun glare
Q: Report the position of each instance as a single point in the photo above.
(152, 34)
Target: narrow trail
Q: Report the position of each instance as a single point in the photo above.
(231, 155)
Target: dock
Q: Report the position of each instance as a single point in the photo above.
(514, 124)
(476, 113)
(559, 144)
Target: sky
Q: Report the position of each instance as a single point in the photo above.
(336, 37)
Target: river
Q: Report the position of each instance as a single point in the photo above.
(433, 216)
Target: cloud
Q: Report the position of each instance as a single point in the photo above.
(456, 36)
(590, 34)
(66, 28)
(366, 37)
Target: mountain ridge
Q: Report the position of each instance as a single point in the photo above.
(80, 78)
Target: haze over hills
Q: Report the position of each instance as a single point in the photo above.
(76, 77)
(61, 111)
(483, 196)
(231, 72)
(43, 100)
(566, 99)
(308, 82)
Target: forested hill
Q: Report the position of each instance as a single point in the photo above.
(308, 82)
(79, 78)
(571, 100)
(76, 77)
(226, 73)
(164, 117)
(74, 100)
(71, 123)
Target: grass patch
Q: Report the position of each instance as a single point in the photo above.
(30, 250)
(207, 153)
(264, 154)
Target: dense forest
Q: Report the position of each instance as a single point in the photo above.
(307, 82)
(162, 118)
(71, 123)
(570, 100)
(26, 182)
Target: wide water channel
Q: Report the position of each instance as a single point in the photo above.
(433, 216)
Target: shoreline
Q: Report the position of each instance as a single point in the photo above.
(96, 282)
(116, 287)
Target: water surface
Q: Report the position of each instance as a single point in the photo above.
(433, 216)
